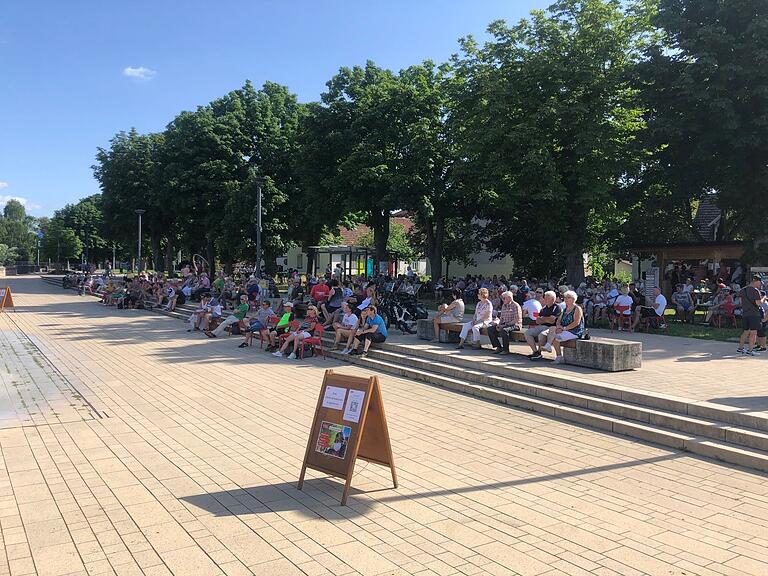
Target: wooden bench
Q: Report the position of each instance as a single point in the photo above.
(450, 332)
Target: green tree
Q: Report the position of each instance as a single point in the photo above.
(130, 175)
(320, 207)
(14, 210)
(16, 229)
(548, 116)
(399, 242)
(705, 82)
(8, 254)
(59, 242)
(366, 109)
(87, 221)
(430, 188)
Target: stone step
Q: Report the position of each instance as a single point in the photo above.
(625, 410)
(722, 450)
(727, 415)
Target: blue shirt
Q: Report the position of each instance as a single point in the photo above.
(377, 321)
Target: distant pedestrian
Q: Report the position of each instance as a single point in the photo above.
(751, 317)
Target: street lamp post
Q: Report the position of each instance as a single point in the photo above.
(139, 212)
(259, 183)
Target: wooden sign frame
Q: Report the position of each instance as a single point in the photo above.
(6, 299)
(338, 405)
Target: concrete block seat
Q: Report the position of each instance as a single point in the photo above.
(607, 354)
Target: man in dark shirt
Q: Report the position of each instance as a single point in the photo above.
(536, 336)
(751, 316)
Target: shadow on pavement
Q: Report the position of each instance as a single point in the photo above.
(285, 497)
(749, 403)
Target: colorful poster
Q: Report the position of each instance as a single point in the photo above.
(333, 439)
(354, 405)
(334, 397)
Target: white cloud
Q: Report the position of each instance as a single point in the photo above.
(24, 202)
(3, 185)
(139, 73)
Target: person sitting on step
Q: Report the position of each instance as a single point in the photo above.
(372, 329)
(345, 328)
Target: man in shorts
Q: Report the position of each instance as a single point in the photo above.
(655, 311)
(751, 317)
(536, 335)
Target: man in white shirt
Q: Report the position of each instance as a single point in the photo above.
(531, 309)
(655, 311)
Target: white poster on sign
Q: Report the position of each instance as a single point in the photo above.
(354, 405)
(334, 397)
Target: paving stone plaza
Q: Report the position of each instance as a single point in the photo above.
(128, 446)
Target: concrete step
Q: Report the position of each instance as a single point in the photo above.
(629, 411)
(735, 446)
(727, 415)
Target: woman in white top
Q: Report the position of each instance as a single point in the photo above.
(483, 317)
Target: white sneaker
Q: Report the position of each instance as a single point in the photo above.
(751, 353)
(559, 360)
(547, 347)
(292, 356)
(345, 351)
(277, 353)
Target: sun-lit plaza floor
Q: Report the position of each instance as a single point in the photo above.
(128, 446)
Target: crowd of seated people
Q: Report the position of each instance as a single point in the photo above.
(348, 308)
(547, 310)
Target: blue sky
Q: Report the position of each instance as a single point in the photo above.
(74, 73)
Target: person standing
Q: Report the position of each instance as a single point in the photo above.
(751, 317)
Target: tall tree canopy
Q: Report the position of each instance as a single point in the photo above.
(547, 117)
(705, 82)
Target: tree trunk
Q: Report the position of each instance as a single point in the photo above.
(157, 259)
(270, 260)
(229, 266)
(575, 268)
(210, 255)
(380, 225)
(168, 264)
(435, 240)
